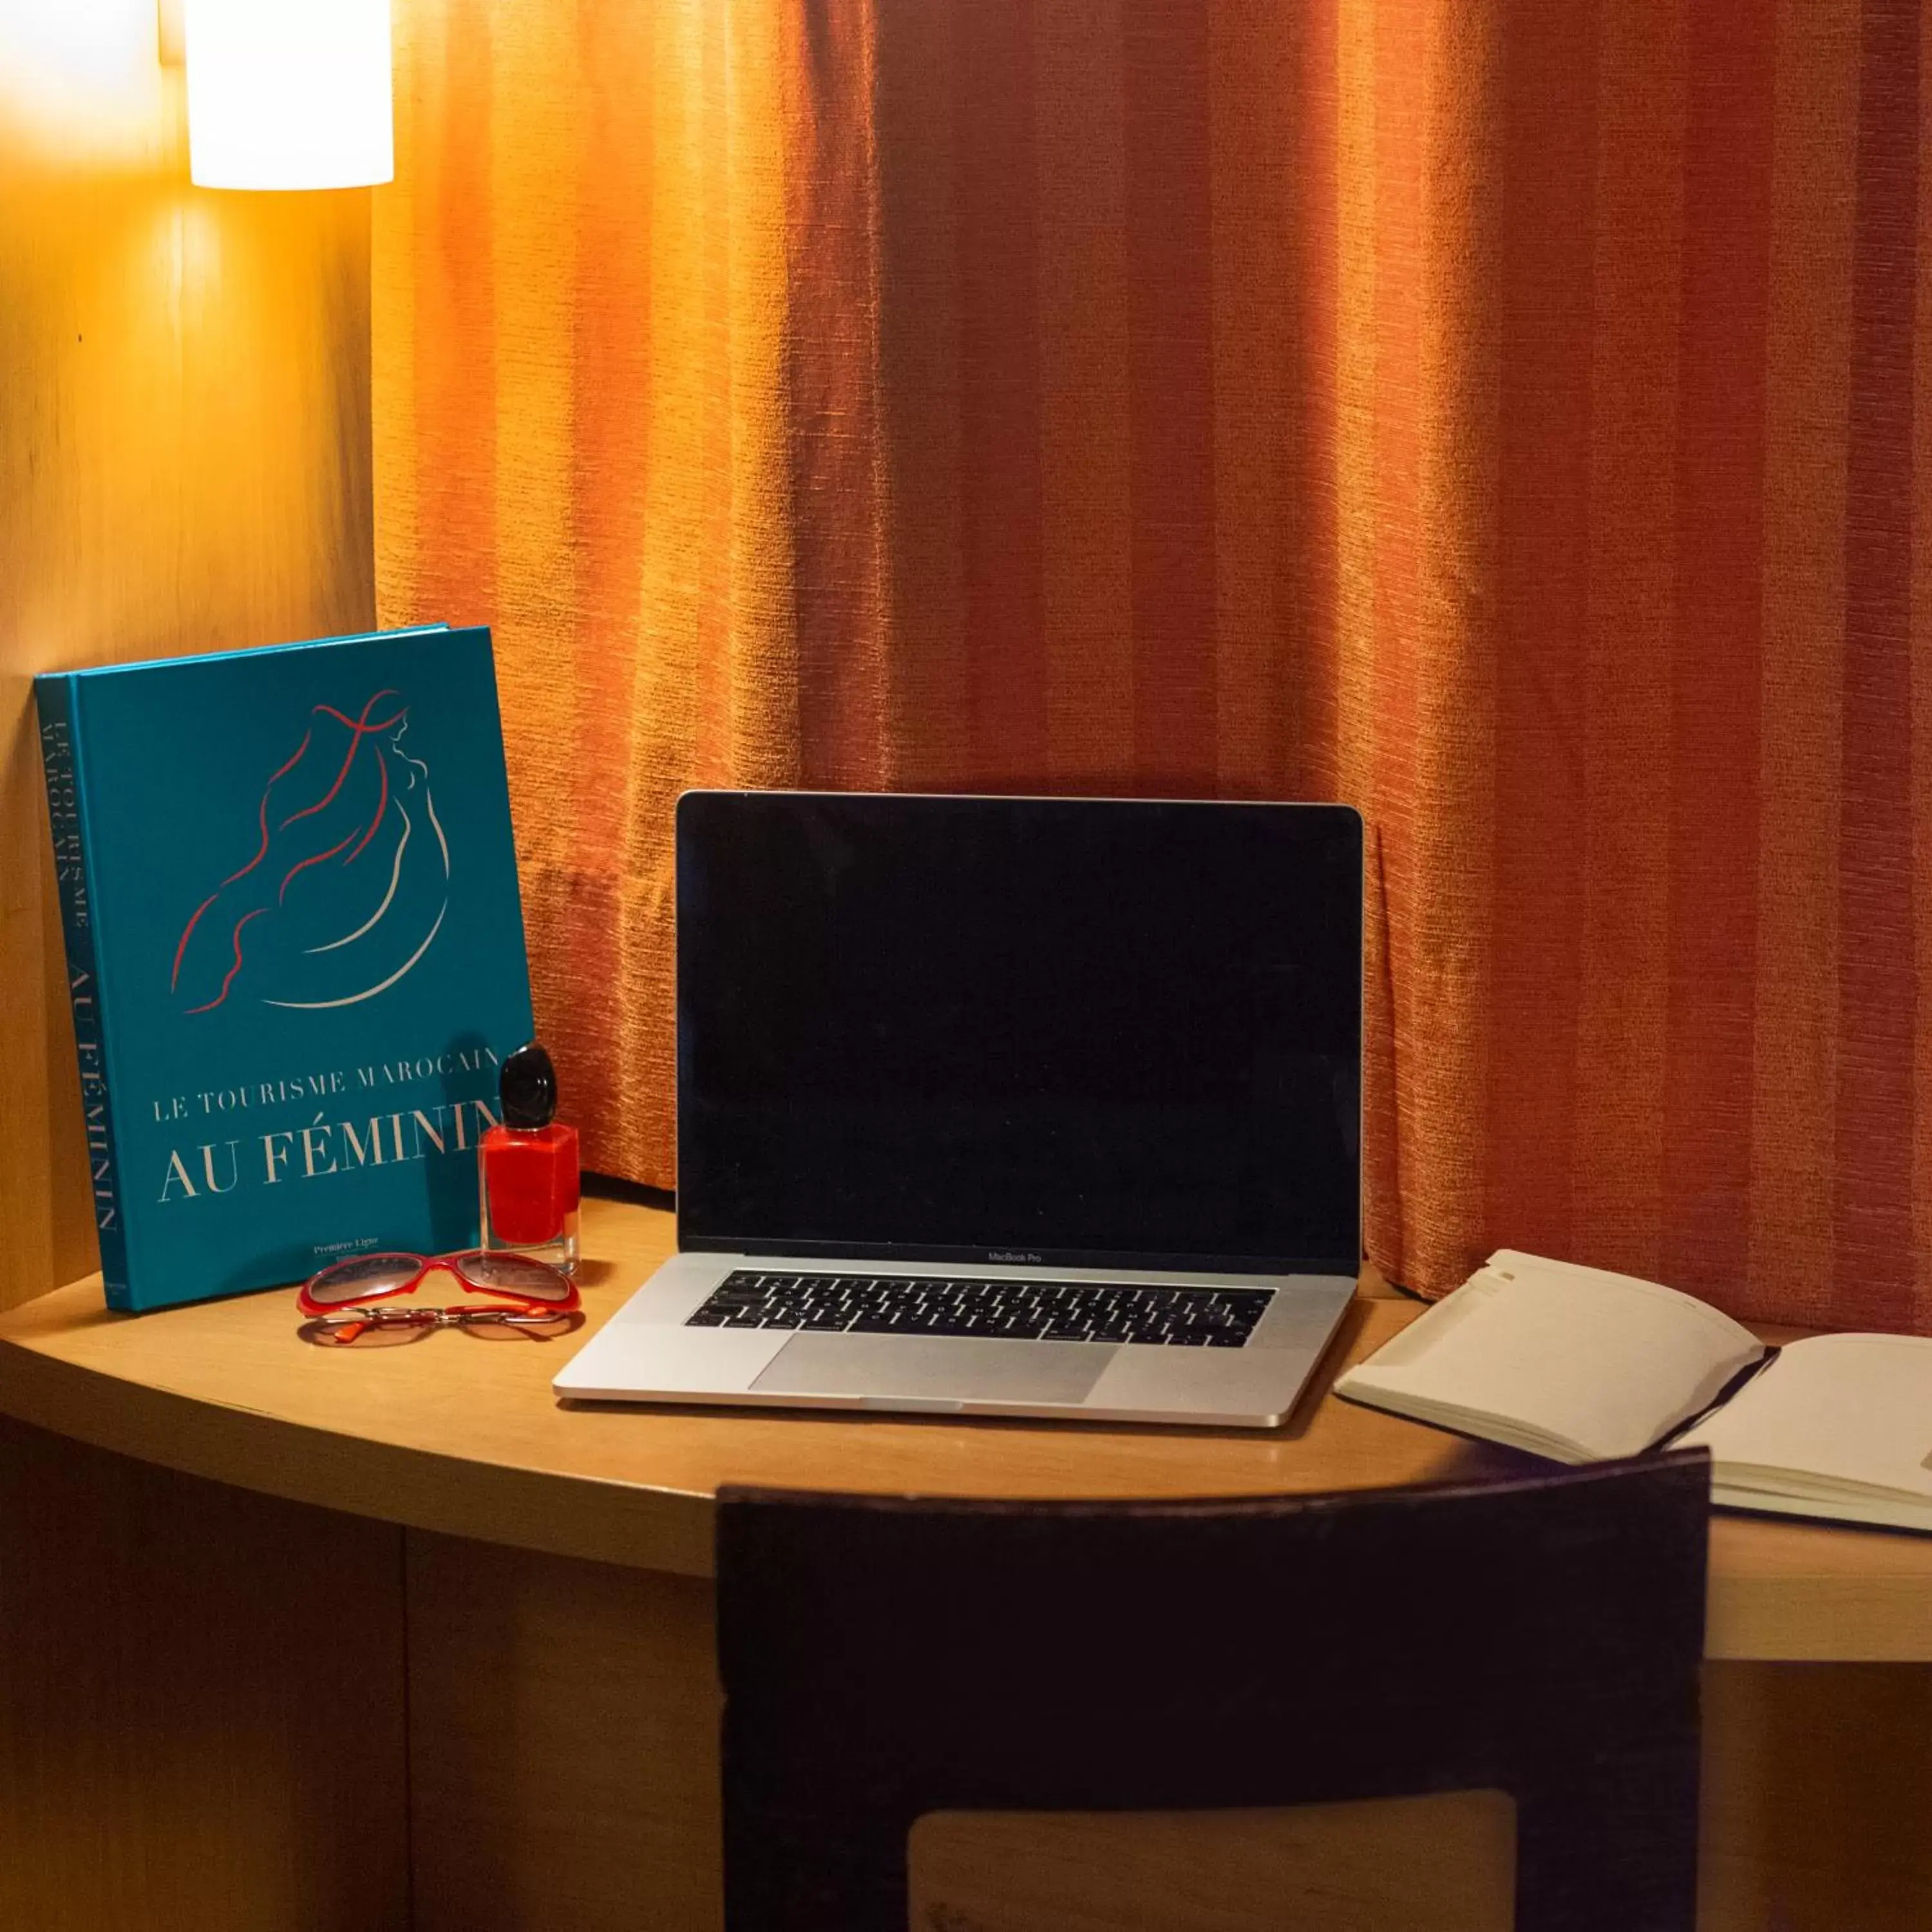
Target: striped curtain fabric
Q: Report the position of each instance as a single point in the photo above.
(1510, 415)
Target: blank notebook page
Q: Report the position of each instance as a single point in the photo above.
(1588, 1363)
(1838, 1410)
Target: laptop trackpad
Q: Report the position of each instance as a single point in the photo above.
(967, 1368)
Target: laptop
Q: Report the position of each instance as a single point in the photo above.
(1006, 1106)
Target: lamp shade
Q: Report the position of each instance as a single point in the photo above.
(289, 93)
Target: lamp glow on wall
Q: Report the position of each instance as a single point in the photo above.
(289, 93)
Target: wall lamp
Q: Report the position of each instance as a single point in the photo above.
(284, 94)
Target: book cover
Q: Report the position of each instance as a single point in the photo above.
(295, 950)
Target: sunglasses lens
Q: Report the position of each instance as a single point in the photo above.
(355, 1279)
(334, 1333)
(535, 1327)
(516, 1274)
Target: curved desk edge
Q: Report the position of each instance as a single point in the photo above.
(632, 1525)
(1815, 1615)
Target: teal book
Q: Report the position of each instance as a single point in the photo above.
(295, 949)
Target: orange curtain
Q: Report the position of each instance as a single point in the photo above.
(1510, 415)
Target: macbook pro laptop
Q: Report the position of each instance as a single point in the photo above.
(1013, 1106)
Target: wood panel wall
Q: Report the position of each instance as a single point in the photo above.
(203, 1698)
(184, 465)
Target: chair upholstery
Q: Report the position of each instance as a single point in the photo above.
(884, 1656)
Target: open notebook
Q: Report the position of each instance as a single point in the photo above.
(1579, 1365)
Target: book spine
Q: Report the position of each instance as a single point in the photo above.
(60, 758)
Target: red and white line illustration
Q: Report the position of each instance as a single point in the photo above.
(348, 883)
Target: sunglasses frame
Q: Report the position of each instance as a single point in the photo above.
(343, 1327)
(427, 1265)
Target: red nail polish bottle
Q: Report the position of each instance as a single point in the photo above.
(528, 1165)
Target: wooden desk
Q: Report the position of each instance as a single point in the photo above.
(535, 1574)
(466, 1439)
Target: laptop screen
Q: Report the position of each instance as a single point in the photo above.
(1051, 1031)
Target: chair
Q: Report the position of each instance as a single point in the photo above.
(883, 1658)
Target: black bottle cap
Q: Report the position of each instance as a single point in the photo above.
(527, 1085)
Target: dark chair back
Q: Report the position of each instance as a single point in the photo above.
(883, 1657)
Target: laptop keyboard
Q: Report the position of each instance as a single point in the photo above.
(1026, 1311)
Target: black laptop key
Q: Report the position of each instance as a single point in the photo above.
(1015, 1309)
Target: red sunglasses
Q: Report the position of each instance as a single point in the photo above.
(340, 1298)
